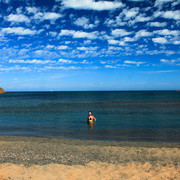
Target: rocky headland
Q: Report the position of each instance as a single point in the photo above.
(2, 91)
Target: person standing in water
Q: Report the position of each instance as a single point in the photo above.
(90, 121)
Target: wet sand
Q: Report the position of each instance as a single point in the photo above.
(52, 158)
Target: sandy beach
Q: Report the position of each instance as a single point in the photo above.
(52, 158)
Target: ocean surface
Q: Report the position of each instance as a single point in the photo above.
(121, 115)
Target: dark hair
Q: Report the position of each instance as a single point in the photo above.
(90, 111)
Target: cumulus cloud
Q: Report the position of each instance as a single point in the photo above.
(47, 16)
(160, 40)
(116, 42)
(60, 68)
(120, 32)
(143, 33)
(87, 48)
(129, 39)
(50, 46)
(161, 2)
(123, 17)
(171, 62)
(168, 14)
(84, 22)
(52, 33)
(157, 24)
(65, 61)
(176, 42)
(34, 61)
(32, 10)
(110, 66)
(19, 31)
(141, 18)
(14, 68)
(63, 47)
(134, 62)
(129, 13)
(17, 18)
(51, 16)
(92, 5)
(79, 34)
(167, 32)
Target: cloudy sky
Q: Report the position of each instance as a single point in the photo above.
(89, 45)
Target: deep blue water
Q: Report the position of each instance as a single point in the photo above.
(121, 115)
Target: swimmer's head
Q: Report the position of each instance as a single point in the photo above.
(89, 113)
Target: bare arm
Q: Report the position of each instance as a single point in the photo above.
(94, 118)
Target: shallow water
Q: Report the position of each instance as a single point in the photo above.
(121, 115)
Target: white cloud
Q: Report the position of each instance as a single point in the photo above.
(158, 72)
(129, 39)
(60, 68)
(165, 61)
(134, 62)
(47, 16)
(114, 42)
(79, 34)
(34, 61)
(18, 31)
(14, 68)
(110, 66)
(171, 62)
(160, 40)
(63, 47)
(87, 42)
(17, 18)
(141, 18)
(51, 16)
(81, 21)
(92, 5)
(85, 62)
(87, 48)
(176, 42)
(65, 61)
(161, 2)
(157, 24)
(120, 32)
(175, 3)
(168, 14)
(50, 46)
(129, 13)
(84, 22)
(103, 62)
(167, 32)
(52, 33)
(143, 33)
(110, 22)
(123, 17)
(32, 10)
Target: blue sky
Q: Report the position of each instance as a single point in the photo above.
(89, 45)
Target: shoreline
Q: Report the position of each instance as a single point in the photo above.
(128, 143)
(38, 150)
(123, 140)
(54, 158)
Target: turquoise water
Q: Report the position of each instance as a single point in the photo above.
(121, 115)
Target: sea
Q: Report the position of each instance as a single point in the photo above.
(121, 115)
